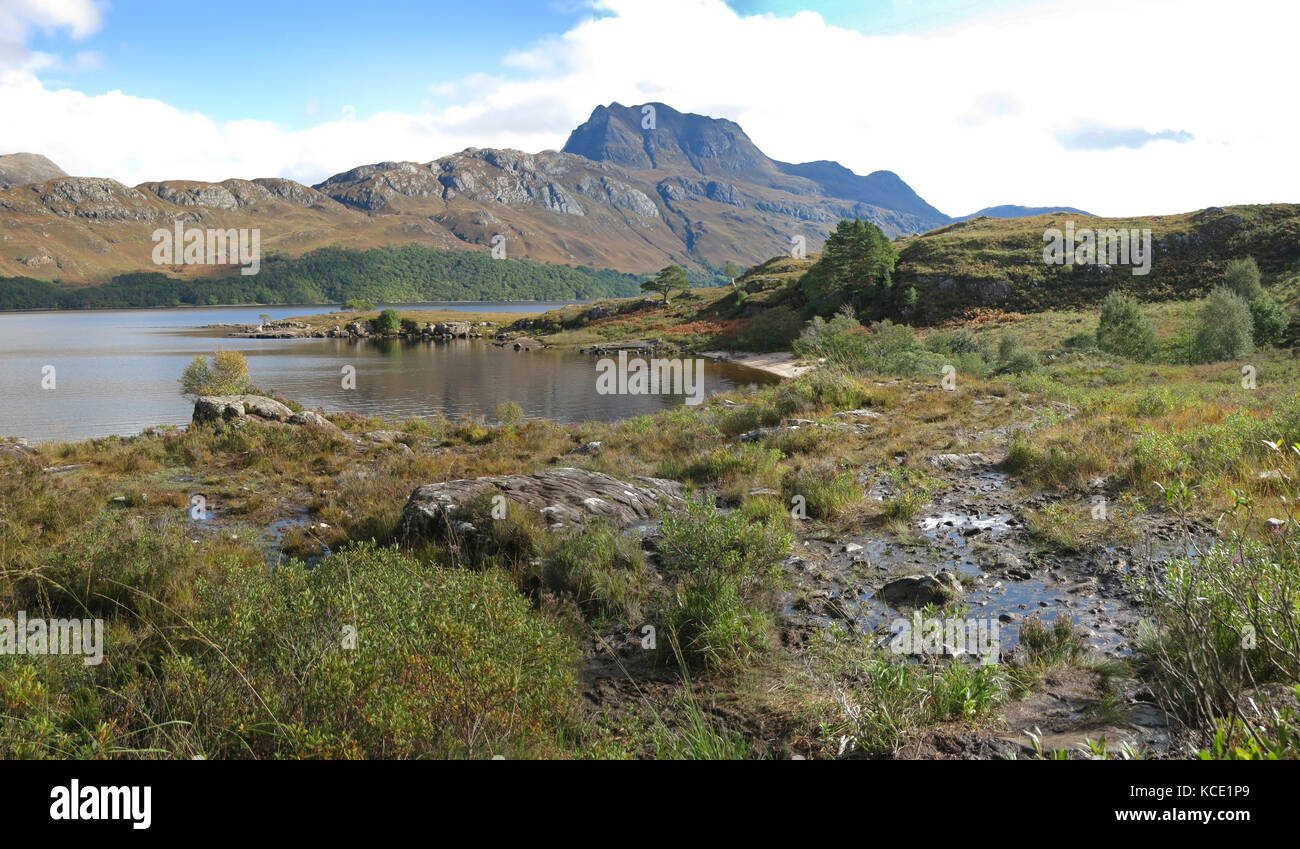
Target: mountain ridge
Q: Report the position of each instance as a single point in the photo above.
(686, 189)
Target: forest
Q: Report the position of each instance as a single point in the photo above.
(406, 274)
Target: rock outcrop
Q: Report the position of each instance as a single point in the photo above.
(217, 408)
(961, 462)
(19, 449)
(560, 497)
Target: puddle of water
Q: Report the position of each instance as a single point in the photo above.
(1023, 599)
(962, 521)
(277, 530)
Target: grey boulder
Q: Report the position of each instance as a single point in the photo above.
(559, 496)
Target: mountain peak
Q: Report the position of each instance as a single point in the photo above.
(655, 136)
(20, 169)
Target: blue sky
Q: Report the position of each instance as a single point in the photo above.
(1117, 107)
(297, 62)
(274, 58)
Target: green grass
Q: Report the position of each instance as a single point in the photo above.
(720, 608)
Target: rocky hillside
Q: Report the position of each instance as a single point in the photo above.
(686, 189)
(998, 263)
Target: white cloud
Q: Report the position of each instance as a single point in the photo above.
(971, 115)
(18, 18)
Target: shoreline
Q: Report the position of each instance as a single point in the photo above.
(780, 364)
(435, 304)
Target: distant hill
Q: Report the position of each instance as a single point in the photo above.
(1010, 210)
(20, 169)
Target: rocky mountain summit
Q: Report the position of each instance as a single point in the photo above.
(19, 169)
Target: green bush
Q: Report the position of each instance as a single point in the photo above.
(822, 388)
(1223, 623)
(387, 323)
(721, 463)
(1013, 357)
(225, 374)
(1020, 362)
(827, 490)
(772, 329)
(1224, 328)
(887, 348)
(446, 663)
(962, 349)
(889, 696)
(911, 491)
(1242, 277)
(955, 342)
(1085, 341)
(842, 340)
(1269, 320)
(603, 569)
(720, 607)
(510, 413)
(1124, 331)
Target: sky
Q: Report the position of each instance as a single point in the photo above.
(1112, 106)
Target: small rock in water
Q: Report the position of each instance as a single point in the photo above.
(920, 590)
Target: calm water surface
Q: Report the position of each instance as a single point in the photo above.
(117, 371)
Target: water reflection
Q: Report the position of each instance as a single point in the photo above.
(117, 372)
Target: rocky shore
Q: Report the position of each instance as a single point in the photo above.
(291, 329)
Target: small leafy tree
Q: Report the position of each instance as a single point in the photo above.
(1224, 329)
(1242, 277)
(731, 271)
(909, 301)
(225, 374)
(669, 277)
(358, 305)
(1123, 329)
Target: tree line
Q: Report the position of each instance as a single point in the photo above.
(405, 274)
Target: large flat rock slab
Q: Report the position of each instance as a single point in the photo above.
(216, 408)
(560, 496)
